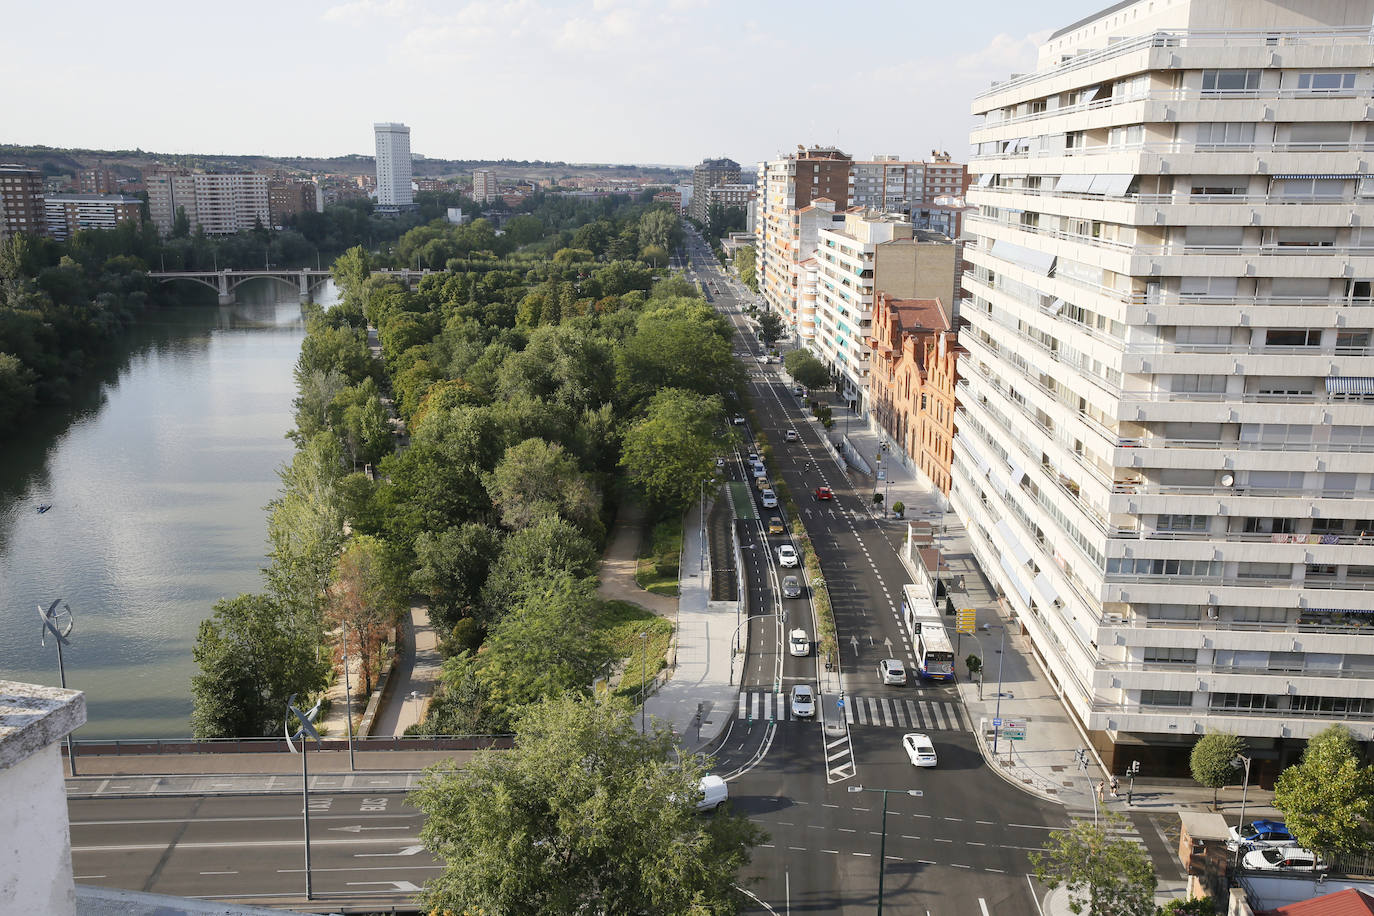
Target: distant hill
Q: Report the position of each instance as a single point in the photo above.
(127, 163)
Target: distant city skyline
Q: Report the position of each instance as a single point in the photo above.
(613, 81)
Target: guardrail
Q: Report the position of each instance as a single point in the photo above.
(149, 746)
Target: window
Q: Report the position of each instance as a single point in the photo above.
(1259, 614)
(1276, 480)
(1144, 566)
(1213, 236)
(1199, 384)
(1268, 526)
(1320, 132)
(1219, 184)
(1325, 82)
(1166, 698)
(1170, 655)
(1226, 133)
(1343, 705)
(1303, 237)
(1328, 188)
(1182, 523)
(1300, 287)
(1243, 701)
(1265, 570)
(1217, 82)
(1351, 343)
(1299, 337)
(1131, 135)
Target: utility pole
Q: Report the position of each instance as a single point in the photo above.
(305, 732)
(59, 624)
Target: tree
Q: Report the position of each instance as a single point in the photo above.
(181, 224)
(536, 479)
(1211, 760)
(305, 526)
(1328, 797)
(744, 265)
(806, 369)
(531, 557)
(671, 452)
(351, 270)
(660, 228)
(363, 602)
(583, 815)
(770, 327)
(451, 567)
(253, 654)
(1189, 906)
(1108, 876)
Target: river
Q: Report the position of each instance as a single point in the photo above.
(158, 480)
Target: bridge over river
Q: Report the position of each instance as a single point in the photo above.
(304, 279)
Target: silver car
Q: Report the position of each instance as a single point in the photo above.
(892, 671)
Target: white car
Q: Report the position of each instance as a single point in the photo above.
(714, 793)
(891, 671)
(790, 435)
(919, 749)
(803, 702)
(1284, 858)
(787, 554)
(759, 470)
(769, 499)
(798, 643)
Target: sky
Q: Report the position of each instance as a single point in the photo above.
(626, 81)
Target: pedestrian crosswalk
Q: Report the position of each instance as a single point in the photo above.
(884, 712)
(1122, 829)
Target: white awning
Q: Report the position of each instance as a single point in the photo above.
(985, 179)
(1014, 575)
(1045, 592)
(1042, 262)
(1013, 541)
(1349, 385)
(1017, 472)
(1079, 183)
(1110, 185)
(999, 480)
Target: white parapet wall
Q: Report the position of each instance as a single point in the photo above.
(35, 841)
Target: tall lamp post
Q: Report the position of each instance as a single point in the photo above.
(59, 624)
(734, 641)
(1240, 761)
(997, 715)
(302, 734)
(643, 681)
(348, 699)
(882, 844)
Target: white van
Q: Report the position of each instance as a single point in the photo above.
(714, 792)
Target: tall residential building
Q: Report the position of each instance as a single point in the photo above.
(484, 187)
(21, 201)
(786, 186)
(1164, 441)
(290, 197)
(393, 165)
(67, 214)
(870, 253)
(215, 203)
(710, 173)
(887, 184)
(97, 180)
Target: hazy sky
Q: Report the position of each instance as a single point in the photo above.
(670, 81)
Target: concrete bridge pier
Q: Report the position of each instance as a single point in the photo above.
(226, 295)
(305, 286)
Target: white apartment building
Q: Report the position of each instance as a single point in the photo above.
(1167, 410)
(393, 165)
(887, 184)
(866, 253)
(218, 204)
(484, 187)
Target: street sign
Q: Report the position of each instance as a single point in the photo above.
(964, 620)
(840, 703)
(996, 723)
(1014, 730)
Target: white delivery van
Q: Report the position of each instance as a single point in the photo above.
(714, 792)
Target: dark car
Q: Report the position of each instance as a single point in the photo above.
(824, 493)
(1261, 833)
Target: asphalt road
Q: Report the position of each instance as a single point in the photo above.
(959, 848)
(226, 847)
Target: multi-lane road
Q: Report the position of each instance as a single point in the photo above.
(960, 848)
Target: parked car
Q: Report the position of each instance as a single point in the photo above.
(753, 458)
(892, 671)
(775, 525)
(798, 390)
(759, 470)
(737, 419)
(824, 493)
(919, 749)
(1260, 833)
(763, 483)
(803, 702)
(791, 435)
(1286, 858)
(791, 587)
(787, 554)
(798, 643)
(769, 499)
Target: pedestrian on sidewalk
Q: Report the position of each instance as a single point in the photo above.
(1115, 785)
(1101, 790)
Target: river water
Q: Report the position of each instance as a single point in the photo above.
(158, 479)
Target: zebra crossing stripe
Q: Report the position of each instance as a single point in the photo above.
(939, 710)
(849, 712)
(873, 706)
(743, 705)
(911, 712)
(897, 712)
(887, 713)
(753, 705)
(781, 702)
(956, 720)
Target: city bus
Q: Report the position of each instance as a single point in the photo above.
(934, 653)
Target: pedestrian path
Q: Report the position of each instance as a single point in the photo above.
(1122, 829)
(883, 712)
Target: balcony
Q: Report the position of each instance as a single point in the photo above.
(1175, 147)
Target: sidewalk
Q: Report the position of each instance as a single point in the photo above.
(619, 562)
(700, 679)
(416, 671)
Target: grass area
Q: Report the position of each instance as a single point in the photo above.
(622, 622)
(657, 571)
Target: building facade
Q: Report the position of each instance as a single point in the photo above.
(67, 214)
(97, 180)
(870, 253)
(288, 198)
(393, 165)
(940, 364)
(484, 187)
(214, 202)
(21, 201)
(1167, 406)
(786, 186)
(734, 196)
(887, 184)
(710, 173)
(897, 371)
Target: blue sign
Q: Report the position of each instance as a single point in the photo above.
(996, 723)
(840, 702)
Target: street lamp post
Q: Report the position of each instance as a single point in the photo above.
(348, 699)
(1238, 762)
(59, 624)
(643, 682)
(997, 715)
(734, 642)
(305, 732)
(882, 844)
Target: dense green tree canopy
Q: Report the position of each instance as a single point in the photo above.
(1327, 799)
(671, 452)
(806, 369)
(584, 815)
(1211, 761)
(1105, 875)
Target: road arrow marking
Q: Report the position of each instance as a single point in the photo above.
(887, 642)
(854, 643)
(358, 828)
(398, 885)
(408, 851)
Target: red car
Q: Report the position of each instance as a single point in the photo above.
(824, 493)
